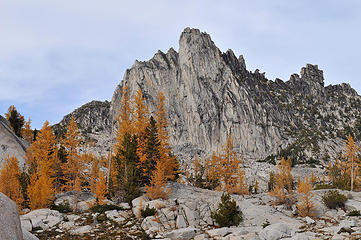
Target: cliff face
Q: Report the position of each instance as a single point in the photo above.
(10, 144)
(210, 94)
(94, 124)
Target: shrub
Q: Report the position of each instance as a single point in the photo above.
(101, 218)
(323, 186)
(147, 212)
(354, 213)
(333, 199)
(103, 208)
(63, 207)
(227, 213)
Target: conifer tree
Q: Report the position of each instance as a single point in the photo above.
(74, 167)
(149, 160)
(126, 166)
(100, 188)
(284, 180)
(169, 162)
(213, 171)
(233, 175)
(305, 205)
(26, 132)
(41, 159)
(16, 120)
(351, 159)
(156, 189)
(10, 180)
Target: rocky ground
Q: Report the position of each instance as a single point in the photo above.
(187, 215)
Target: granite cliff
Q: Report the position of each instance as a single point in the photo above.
(211, 94)
(10, 144)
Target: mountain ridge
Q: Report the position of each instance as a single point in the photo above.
(210, 94)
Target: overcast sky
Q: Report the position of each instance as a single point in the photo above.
(57, 55)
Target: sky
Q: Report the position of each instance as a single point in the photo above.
(58, 55)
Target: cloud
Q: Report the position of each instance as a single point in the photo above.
(56, 55)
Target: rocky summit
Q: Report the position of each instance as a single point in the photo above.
(210, 94)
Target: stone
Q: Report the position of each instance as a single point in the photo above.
(138, 204)
(28, 236)
(26, 224)
(183, 233)
(192, 216)
(10, 227)
(309, 220)
(79, 200)
(10, 144)
(181, 222)
(201, 237)
(81, 230)
(275, 231)
(150, 222)
(219, 232)
(125, 206)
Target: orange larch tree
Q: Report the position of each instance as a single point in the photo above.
(305, 206)
(351, 159)
(169, 162)
(156, 189)
(9, 180)
(232, 174)
(100, 188)
(41, 159)
(283, 185)
(26, 131)
(75, 165)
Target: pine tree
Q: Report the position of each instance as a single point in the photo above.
(149, 160)
(16, 120)
(41, 159)
(10, 180)
(169, 162)
(305, 206)
(126, 166)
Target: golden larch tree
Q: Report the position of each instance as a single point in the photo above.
(9, 180)
(351, 158)
(41, 159)
(141, 124)
(231, 172)
(283, 183)
(305, 205)
(169, 162)
(75, 165)
(26, 131)
(101, 188)
(156, 189)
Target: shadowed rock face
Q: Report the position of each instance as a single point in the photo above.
(210, 94)
(10, 144)
(94, 124)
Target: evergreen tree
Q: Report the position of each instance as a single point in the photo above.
(16, 120)
(126, 167)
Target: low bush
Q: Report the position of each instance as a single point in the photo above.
(101, 218)
(227, 213)
(103, 208)
(147, 212)
(354, 213)
(333, 199)
(63, 207)
(324, 186)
